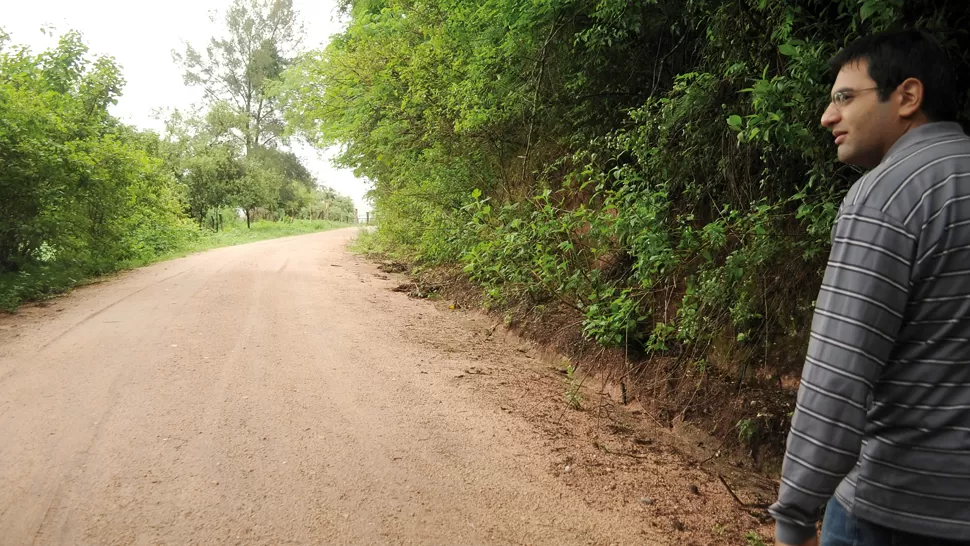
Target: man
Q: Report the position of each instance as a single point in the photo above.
(881, 429)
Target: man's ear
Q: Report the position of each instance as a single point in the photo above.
(910, 94)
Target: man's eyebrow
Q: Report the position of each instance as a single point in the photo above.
(842, 90)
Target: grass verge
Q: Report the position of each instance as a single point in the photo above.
(45, 280)
(237, 233)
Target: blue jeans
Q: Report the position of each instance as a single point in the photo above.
(841, 528)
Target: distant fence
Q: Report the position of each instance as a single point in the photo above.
(367, 218)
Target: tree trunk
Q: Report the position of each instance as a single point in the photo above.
(248, 225)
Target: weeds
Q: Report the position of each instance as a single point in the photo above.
(574, 398)
(747, 428)
(753, 538)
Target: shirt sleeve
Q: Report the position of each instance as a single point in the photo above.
(858, 314)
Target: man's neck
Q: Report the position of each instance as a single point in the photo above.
(905, 127)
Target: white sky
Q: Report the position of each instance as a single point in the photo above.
(141, 36)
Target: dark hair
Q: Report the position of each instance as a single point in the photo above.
(895, 56)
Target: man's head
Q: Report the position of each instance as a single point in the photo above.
(887, 84)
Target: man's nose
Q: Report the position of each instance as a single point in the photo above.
(830, 116)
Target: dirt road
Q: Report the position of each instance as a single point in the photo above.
(281, 393)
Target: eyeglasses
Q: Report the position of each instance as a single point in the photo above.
(841, 98)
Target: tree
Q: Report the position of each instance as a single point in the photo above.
(335, 206)
(296, 190)
(209, 168)
(78, 189)
(238, 70)
(258, 187)
(238, 158)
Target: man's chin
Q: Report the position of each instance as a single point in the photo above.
(847, 156)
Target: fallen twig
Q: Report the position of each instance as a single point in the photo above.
(738, 500)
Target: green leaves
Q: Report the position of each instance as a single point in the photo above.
(240, 71)
(788, 50)
(80, 193)
(657, 167)
(868, 8)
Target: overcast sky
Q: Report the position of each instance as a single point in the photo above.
(141, 36)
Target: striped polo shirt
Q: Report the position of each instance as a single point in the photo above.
(882, 418)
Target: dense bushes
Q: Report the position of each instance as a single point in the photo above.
(656, 166)
(77, 187)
